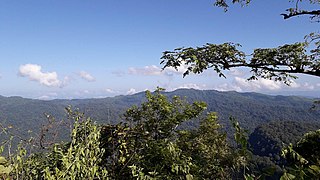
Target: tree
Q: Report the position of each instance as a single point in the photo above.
(293, 11)
(279, 64)
(303, 158)
(149, 145)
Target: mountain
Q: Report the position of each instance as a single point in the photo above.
(268, 139)
(250, 109)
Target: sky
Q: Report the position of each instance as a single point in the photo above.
(101, 48)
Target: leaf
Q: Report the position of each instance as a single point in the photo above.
(5, 170)
(2, 160)
(189, 177)
(287, 176)
(315, 168)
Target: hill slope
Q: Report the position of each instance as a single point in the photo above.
(250, 109)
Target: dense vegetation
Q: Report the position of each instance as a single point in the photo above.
(148, 144)
(268, 139)
(158, 140)
(250, 109)
(267, 142)
(278, 63)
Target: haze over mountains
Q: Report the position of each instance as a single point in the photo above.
(250, 109)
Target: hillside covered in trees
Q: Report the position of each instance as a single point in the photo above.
(250, 109)
(185, 134)
(149, 133)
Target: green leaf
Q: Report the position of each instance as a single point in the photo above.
(2, 160)
(287, 176)
(5, 170)
(189, 177)
(315, 168)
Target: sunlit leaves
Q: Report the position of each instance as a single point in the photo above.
(279, 64)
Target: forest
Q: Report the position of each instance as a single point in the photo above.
(186, 134)
(185, 139)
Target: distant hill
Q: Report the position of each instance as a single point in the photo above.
(268, 139)
(250, 109)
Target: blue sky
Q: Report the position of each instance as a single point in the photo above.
(100, 48)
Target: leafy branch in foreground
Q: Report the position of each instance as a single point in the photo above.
(271, 63)
(78, 159)
(296, 10)
(303, 158)
(280, 63)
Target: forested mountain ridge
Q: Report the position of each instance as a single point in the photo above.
(266, 116)
(250, 109)
(268, 139)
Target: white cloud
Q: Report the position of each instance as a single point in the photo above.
(48, 96)
(191, 86)
(86, 76)
(236, 72)
(179, 71)
(82, 93)
(109, 90)
(154, 70)
(34, 73)
(86, 91)
(146, 71)
(307, 86)
(131, 91)
(294, 84)
(242, 84)
(119, 73)
(185, 86)
(260, 84)
(227, 87)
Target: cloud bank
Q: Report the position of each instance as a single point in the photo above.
(242, 84)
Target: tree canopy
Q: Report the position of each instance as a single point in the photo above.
(280, 63)
(296, 10)
(146, 145)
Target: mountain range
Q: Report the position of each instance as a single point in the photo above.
(250, 109)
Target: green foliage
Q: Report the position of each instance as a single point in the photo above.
(268, 139)
(78, 159)
(277, 64)
(151, 135)
(296, 10)
(269, 63)
(201, 153)
(149, 145)
(303, 158)
(250, 109)
(5, 168)
(224, 4)
(213, 157)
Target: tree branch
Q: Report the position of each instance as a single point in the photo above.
(265, 67)
(298, 13)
